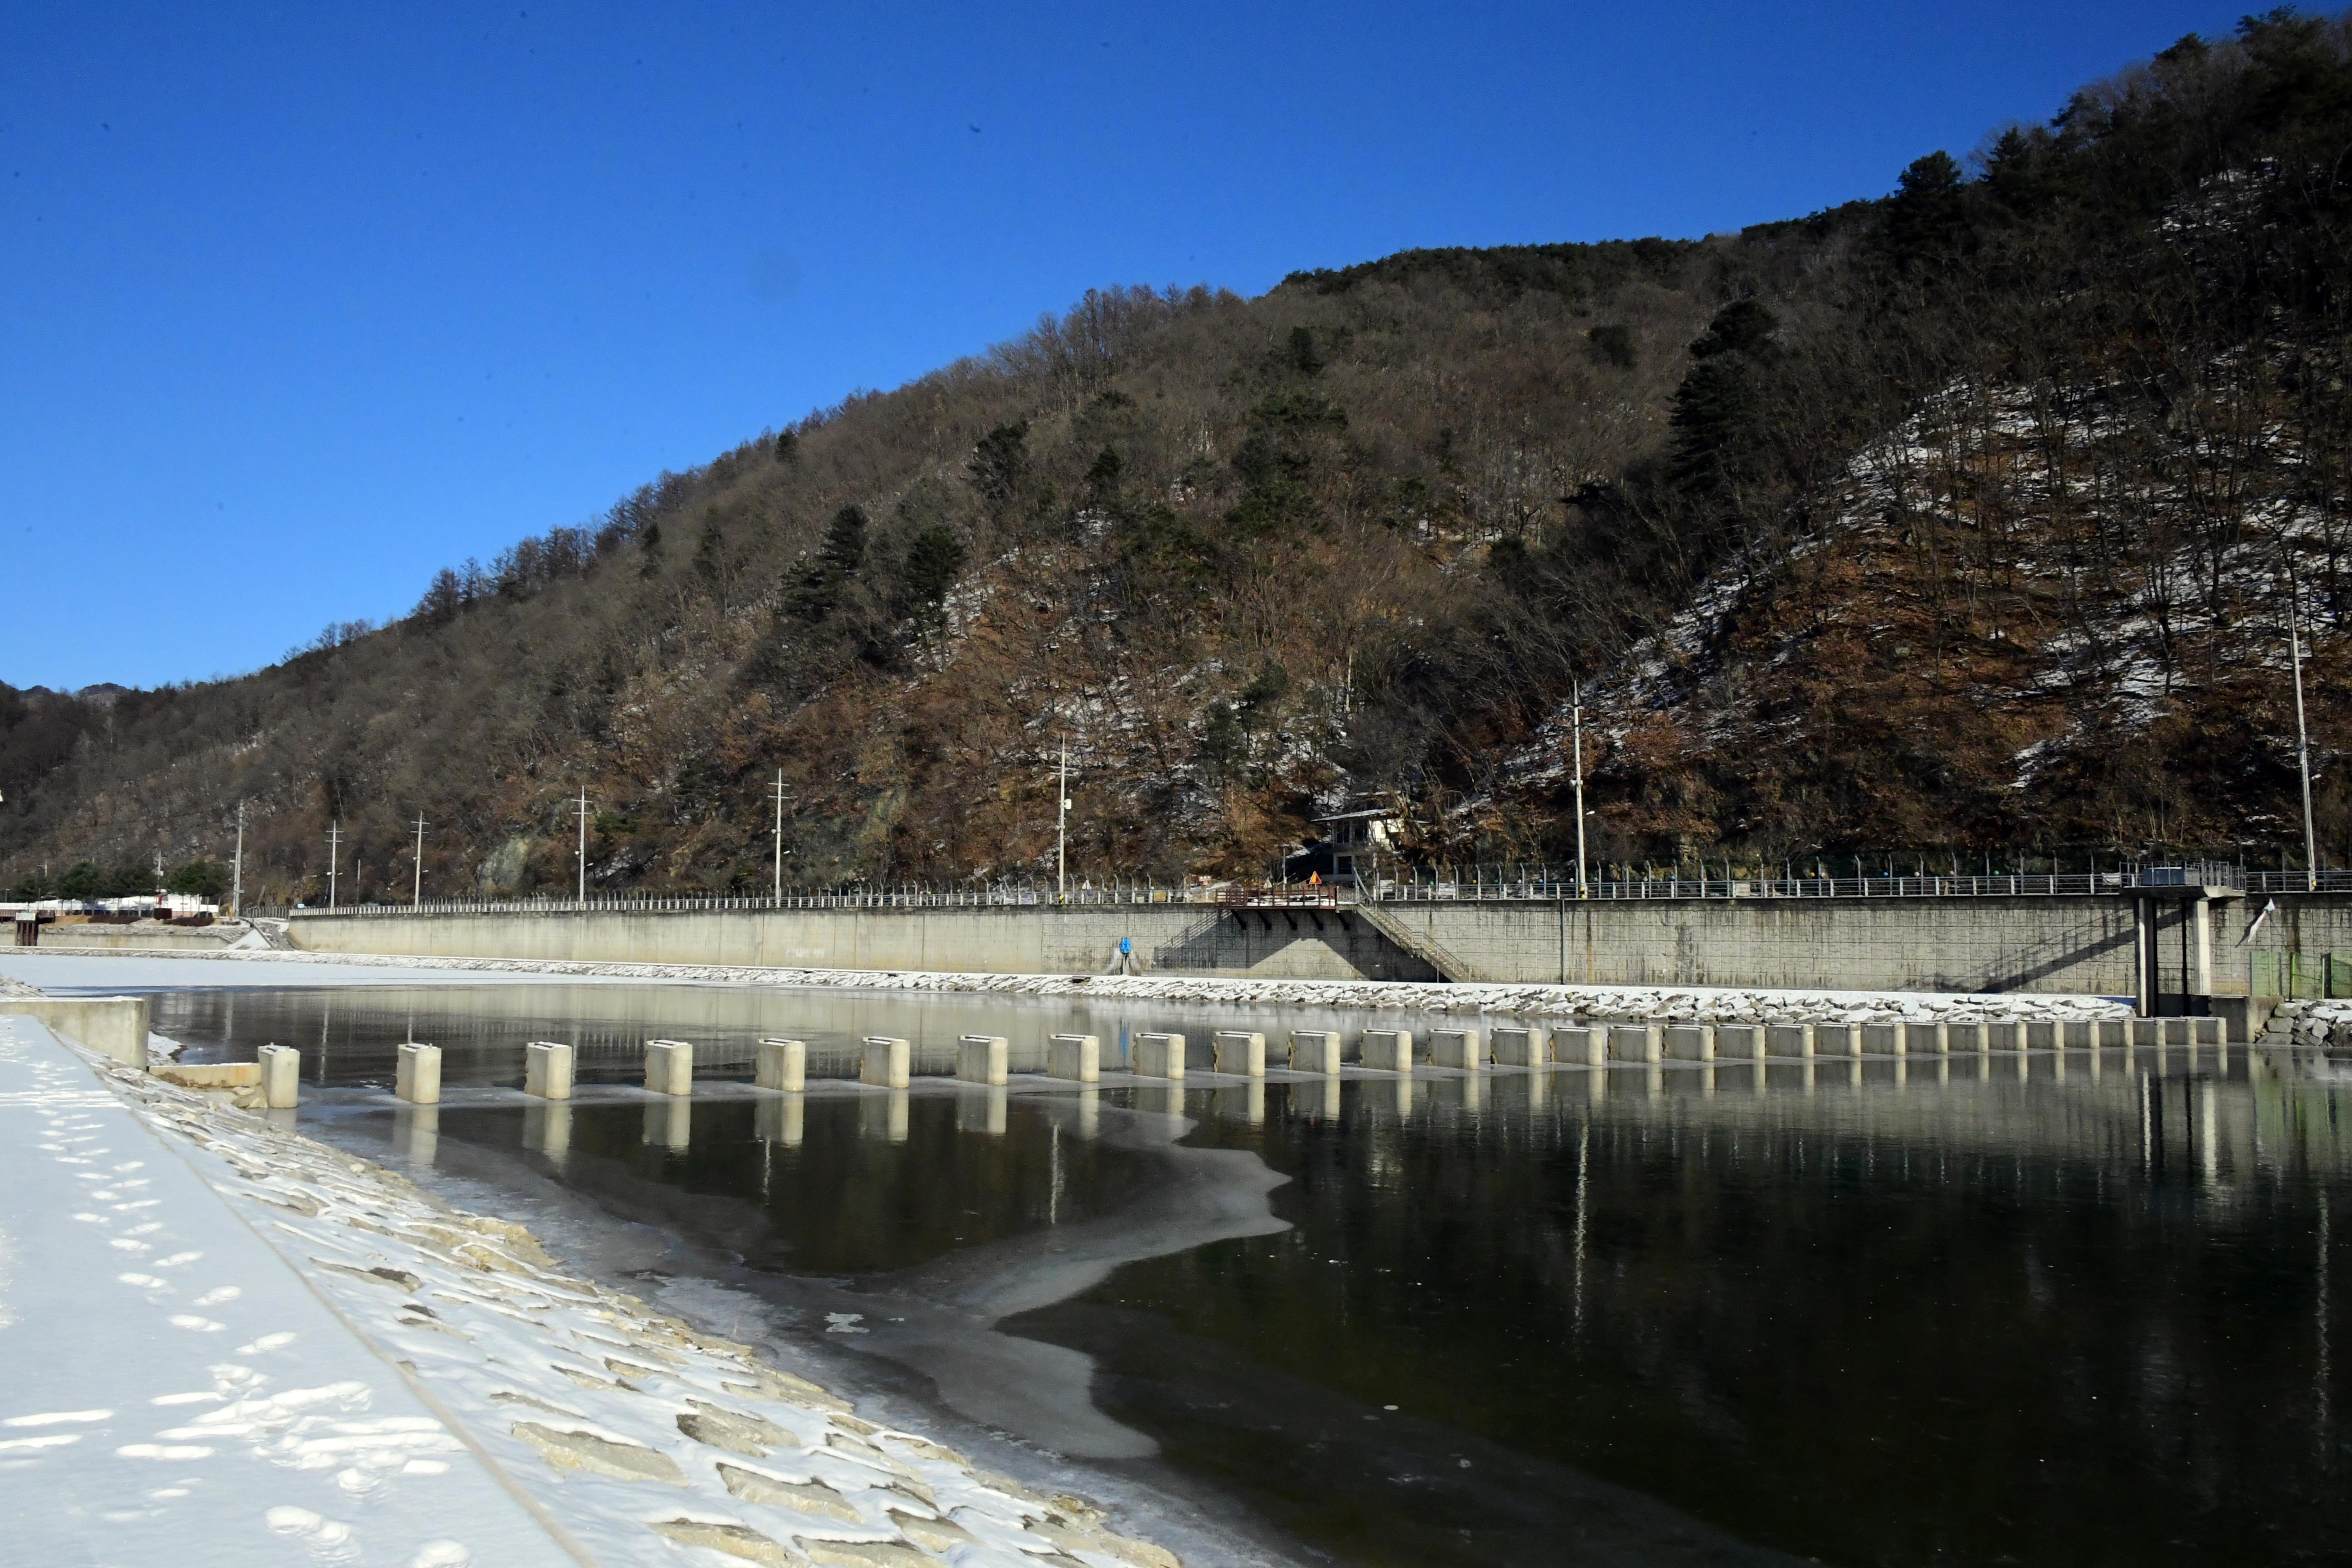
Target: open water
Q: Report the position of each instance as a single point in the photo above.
(2052, 1308)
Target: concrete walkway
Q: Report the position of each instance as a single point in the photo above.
(176, 1393)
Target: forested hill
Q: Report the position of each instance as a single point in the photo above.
(1961, 518)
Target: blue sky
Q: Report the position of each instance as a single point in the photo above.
(299, 303)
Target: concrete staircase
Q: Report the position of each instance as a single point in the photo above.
(1449, 965)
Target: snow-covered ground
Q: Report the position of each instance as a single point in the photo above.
(162, 971)
(235, 1345)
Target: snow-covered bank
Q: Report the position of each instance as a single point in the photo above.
(652, 1443)
(1695, 1004)
(176, 1393)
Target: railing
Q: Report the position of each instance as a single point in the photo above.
(2170, 880)
(2330, 881)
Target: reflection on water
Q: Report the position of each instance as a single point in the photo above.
(2052, 1308)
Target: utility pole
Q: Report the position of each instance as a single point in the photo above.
(417, 889)
(583, 847)
(1576, 734)
(1062, 829)
(2302, 736)
(780, 836)
(335, 842)
(237, 873)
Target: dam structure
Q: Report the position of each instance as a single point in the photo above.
(2168, 942)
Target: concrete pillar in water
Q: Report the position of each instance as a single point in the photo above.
(1389, 1050)
(547, 1127)
(780, 1119)
(2207, 1031)
(1637, 1042)
(886, 1063)
(2004, 1035)
(1237, 1051)
(2148, 1031)
(2042, 1035)
(416, 1130)
(1077, 1058)
(1790, 1040)
(1940, 1037)
(1690, 1042)
(1740, 1042)
(884, 1115)
(281, 1077)
(669, 1066)
(1882, 1039)
(669, 1121)
(547, 1069)
(984, 1111)
(1463, 1048)
(1158, 1055)
(1527, 1047)
(1315, 1050)
(983, 1058)
(1581, 1044)
(1838, 1040)
(417, 1074)
(2080, 1033)
(781, 1065)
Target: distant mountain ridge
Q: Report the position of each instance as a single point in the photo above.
(1960, 521)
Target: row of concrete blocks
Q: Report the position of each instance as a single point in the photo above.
(888, 1061)
(1600, 1043)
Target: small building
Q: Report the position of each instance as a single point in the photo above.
(1359, 840)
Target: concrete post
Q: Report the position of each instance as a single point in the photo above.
(2148, 1031)
(2144, 957)
(1077, 1058)
(2200, 976)
(1740, 1042)
(1463, 1048)
(887, 1063)
(783, 1065)
(1526, 1048)
(2080, 1033)
(547, 1069)
(1316, 1051)
(1882, 1039)
(1839, 1039)
(1159, 1056)
(1637, 1042)
(1690, 1042)
(2207, 1031)
(669, 1066)
(1236, 1051)
(1790, 1040)
(983, 1058)
(281, 1077)
(416, 1077)
(1581, 1044)
(1389, 1050)
(2042, 1035)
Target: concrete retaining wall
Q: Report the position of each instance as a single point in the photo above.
(2074, 945)
(112, 1026)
